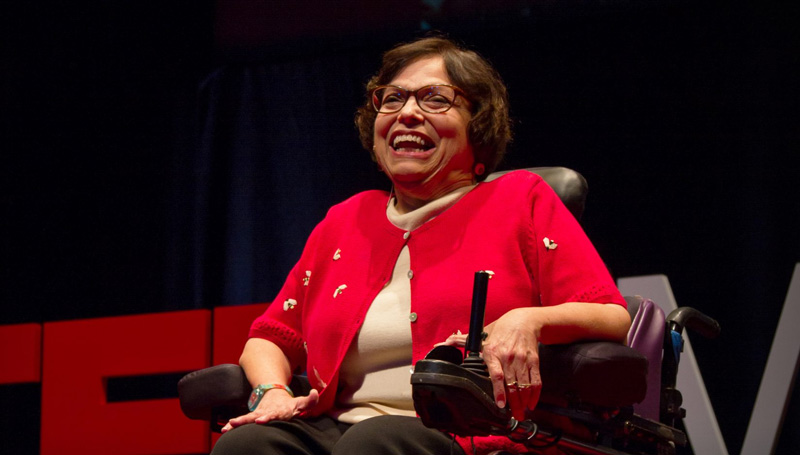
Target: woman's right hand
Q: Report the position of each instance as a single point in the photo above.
(276, 405)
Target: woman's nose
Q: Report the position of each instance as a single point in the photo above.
(410, 113)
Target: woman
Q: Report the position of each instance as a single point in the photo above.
(387, 276)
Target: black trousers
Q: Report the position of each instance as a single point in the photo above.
(384, 435)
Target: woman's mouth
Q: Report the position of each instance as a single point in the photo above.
(410, 143)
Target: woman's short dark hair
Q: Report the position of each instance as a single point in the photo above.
(489, 129)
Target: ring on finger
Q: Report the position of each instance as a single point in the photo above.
(518, 385)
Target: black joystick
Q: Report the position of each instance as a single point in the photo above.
(473, 361)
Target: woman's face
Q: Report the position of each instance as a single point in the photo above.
(429, 153)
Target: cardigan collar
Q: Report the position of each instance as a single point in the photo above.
(416, 218)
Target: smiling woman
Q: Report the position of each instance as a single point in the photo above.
(426, 155)
(386, 276)
(473, 80)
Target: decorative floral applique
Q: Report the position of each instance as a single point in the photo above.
(339, 290)
(289, 304)
(307, 278)
(550, 244)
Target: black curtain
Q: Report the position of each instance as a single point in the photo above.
(277, 147)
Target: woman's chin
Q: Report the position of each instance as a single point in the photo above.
(410, 173)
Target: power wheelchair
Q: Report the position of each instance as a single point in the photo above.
(597, 397)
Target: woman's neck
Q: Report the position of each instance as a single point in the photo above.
(412, 198)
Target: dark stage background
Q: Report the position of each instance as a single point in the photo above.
(174, 155)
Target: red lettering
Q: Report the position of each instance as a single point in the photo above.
(79, 356)
(20, 353)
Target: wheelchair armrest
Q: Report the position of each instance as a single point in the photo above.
(600, 373)
(222, 390)
(201, 391)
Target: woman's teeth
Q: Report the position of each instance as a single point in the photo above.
(410, 142)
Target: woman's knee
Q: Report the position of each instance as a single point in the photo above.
(294, 437)
(254, 439)
(243, 439)
(393, 435)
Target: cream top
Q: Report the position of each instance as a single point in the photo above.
(375, 376)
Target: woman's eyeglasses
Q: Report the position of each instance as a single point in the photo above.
(434, 99)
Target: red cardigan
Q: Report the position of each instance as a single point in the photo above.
(515, 226)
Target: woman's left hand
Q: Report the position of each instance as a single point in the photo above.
(511, 353)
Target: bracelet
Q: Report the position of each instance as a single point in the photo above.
(260, 390)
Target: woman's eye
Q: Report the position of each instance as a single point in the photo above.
(436, 99)
(392, 98)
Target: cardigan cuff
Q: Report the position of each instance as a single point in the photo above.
(285, 338)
